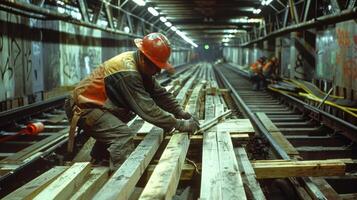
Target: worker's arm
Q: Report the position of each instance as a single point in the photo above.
(165, 99)
(127, 89)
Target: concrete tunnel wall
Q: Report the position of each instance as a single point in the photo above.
(38, 56)
(334, 64)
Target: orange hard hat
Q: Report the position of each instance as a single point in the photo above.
(156, 47)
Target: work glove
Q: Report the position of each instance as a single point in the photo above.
(190, 125)
(183, 115)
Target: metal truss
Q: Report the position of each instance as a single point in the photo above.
(111, 11)
(299, 15)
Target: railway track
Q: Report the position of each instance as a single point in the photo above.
(286, 132)
(305, 137)
(23, 156)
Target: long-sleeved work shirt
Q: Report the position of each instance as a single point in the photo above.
(120, 81)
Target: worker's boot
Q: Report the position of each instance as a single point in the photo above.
(99, 163)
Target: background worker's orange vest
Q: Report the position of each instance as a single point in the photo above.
(256, 67)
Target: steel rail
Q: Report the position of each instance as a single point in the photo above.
(256, 122)
(22, 112)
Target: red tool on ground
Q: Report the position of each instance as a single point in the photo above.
(31, 129)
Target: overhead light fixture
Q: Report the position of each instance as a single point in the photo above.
(257, 11)
(153, 11)
(173, 28)
(163, 19)
(266, 2)
(60, 3)
(126, 29)
(234, 31)
(168, 24)
(184, 37)
(225, 40)
(246, 20)
(139, 2)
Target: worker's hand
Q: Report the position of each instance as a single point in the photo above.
(183, 115)
(190, 125)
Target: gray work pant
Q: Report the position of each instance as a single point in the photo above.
(112, 135)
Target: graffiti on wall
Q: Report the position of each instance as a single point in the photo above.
(337, 54)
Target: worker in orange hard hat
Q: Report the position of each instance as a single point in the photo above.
(256, 75)
(121, 88)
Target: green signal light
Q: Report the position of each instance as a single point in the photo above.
(206, 46)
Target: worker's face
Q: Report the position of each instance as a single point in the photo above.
(148, 67)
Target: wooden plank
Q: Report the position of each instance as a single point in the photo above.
(343, 160)
(187, 172)
(209, 107)
(196, 139)
(35, 186)
(231, 184)
(193, 103)
(238, 126)
(67, 183)
(84, 154)
(277, 135)
(97, 177)
(164, 180)
(298, 169)
(183, 94)
(123, 181)
(220, 173)
(146, 128)
(248, 174)
(348, 196)
(210, 184)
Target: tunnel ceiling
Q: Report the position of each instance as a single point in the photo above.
(208, 20)
(201, 20)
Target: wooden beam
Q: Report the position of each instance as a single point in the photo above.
(97, 177)
(193, 104)
(237, 126)
(84, 154)
(34, 187)
(123, 181)
(164, 180)
(67, 183)
(220, 173)
(210, 184)
(248, 174)
(298, 169)
(198, 139)
(187, 172)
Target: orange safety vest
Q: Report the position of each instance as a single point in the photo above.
(256, 67)
(90, 92)
(268, 67)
